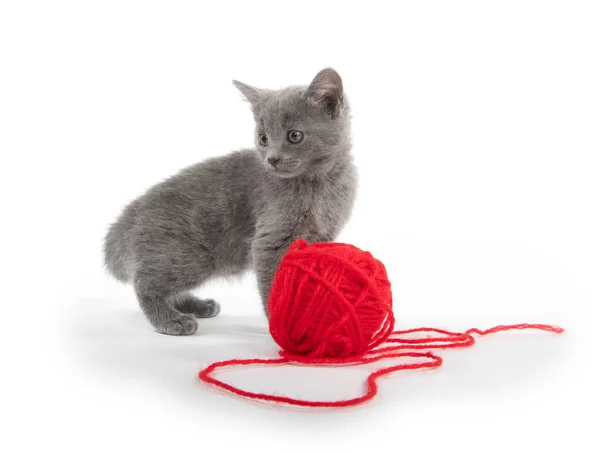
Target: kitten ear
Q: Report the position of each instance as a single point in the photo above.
(327, 90)
(253, 95)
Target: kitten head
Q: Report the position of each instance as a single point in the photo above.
(301, 130)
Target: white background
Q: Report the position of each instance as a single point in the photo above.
(476, 136)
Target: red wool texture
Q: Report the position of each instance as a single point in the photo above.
(331, 303)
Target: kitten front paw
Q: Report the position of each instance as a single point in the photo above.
(184, 325)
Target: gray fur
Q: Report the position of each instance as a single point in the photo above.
(227, 214)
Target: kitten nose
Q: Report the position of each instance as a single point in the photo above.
(273, 160)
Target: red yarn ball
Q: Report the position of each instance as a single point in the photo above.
(329, 300)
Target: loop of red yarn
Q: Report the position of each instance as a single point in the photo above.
(331, 304)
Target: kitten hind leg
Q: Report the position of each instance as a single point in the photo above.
(165, 318)
(200, 308)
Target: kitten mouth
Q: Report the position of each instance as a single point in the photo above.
(281, 172)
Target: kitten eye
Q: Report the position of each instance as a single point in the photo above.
(295, 136)
(263, 140)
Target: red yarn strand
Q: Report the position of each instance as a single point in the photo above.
(447, 340)
(331, 303)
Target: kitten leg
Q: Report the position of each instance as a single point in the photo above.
(200, 308)
(153, 299)
(268, 250)
(267, 253)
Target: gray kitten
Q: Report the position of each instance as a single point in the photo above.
(226, 214)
